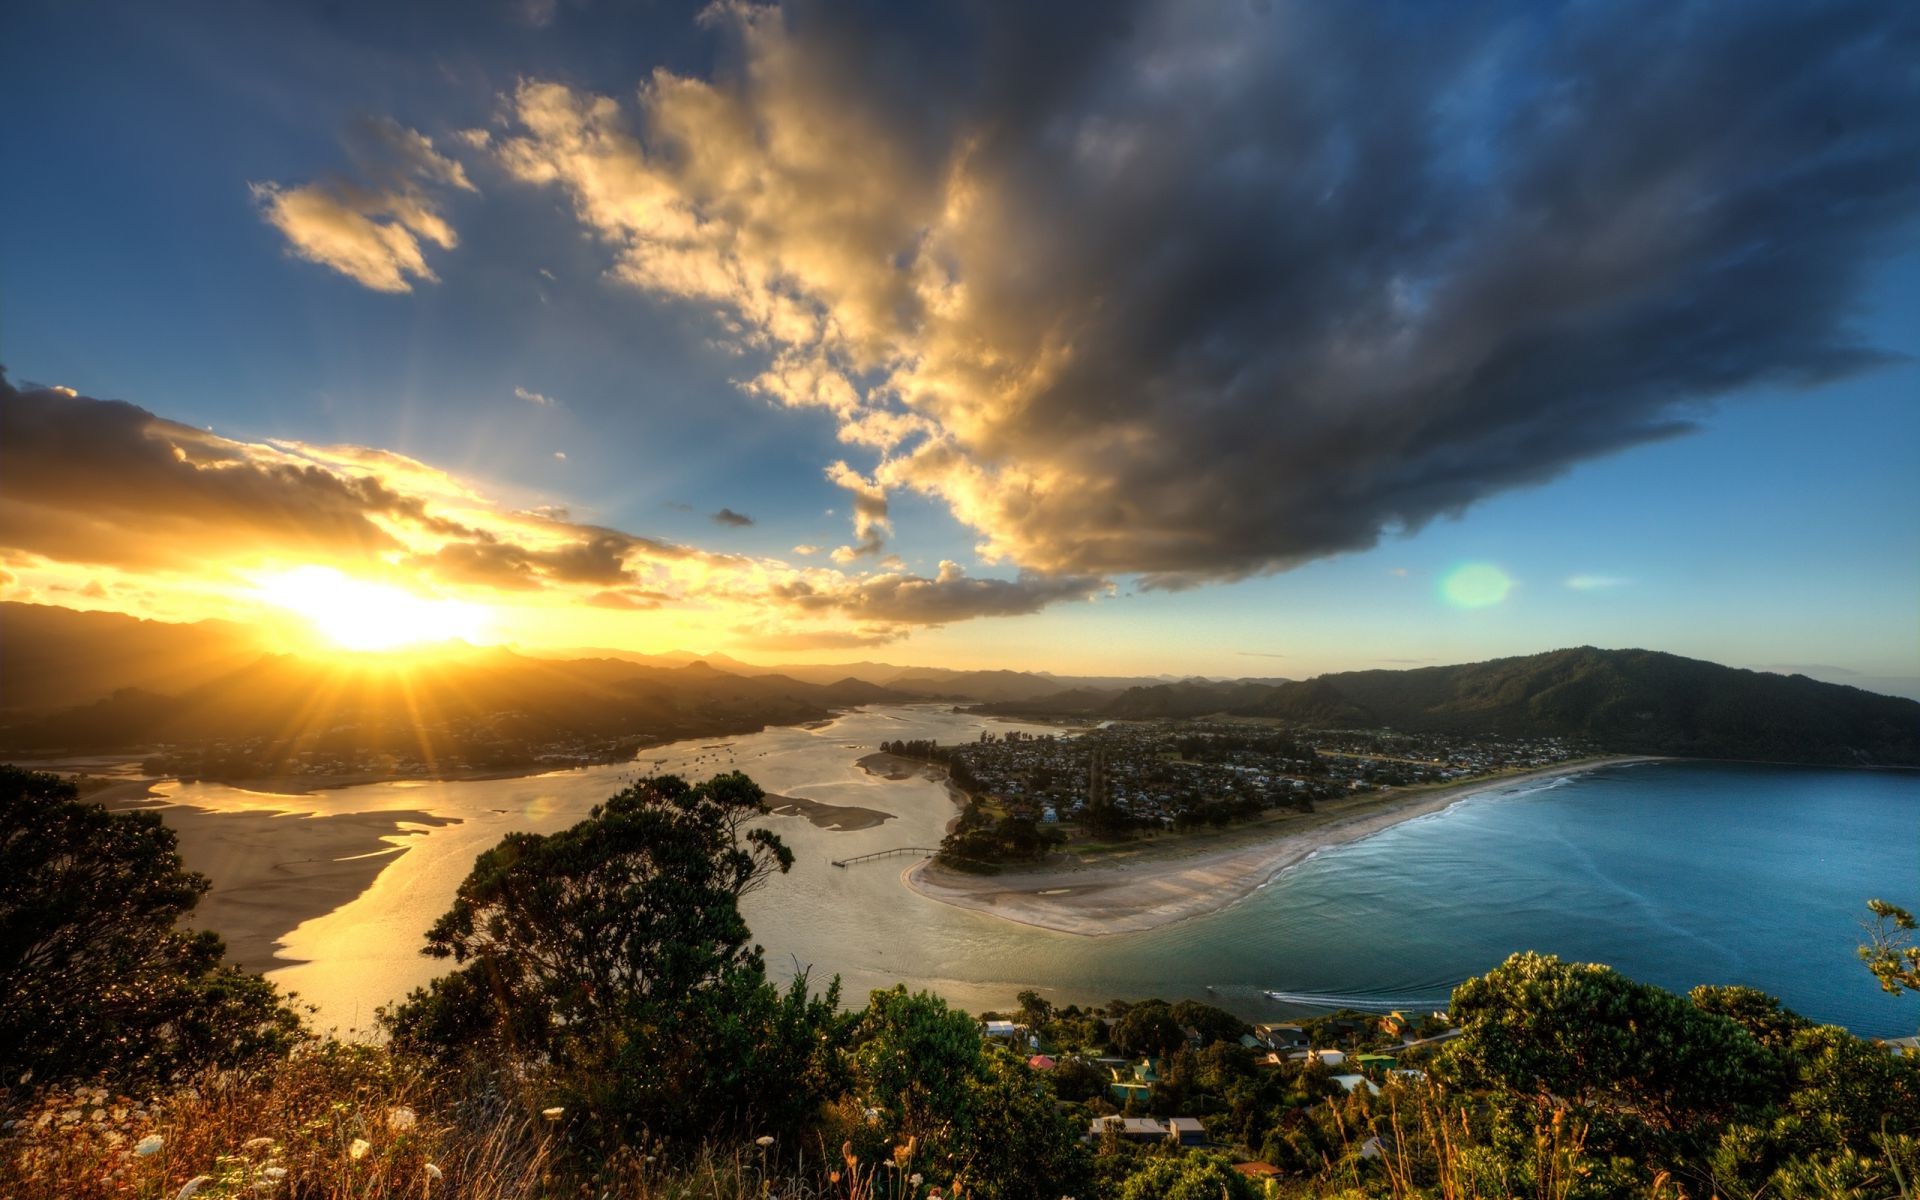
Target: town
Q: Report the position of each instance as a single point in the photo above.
(1027, 794)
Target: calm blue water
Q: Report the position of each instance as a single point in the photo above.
(1677, 874)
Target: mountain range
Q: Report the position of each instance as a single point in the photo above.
(73, 682)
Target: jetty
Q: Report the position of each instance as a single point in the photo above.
(921, 851)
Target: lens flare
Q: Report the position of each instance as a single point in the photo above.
(354, 614)
(1475, 585)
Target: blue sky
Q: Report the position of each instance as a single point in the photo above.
(1783, 531)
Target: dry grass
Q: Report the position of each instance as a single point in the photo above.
(345, 1122)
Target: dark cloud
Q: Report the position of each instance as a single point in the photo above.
(727, 516)
(1205, 290)
(953, 595)
(103, 481)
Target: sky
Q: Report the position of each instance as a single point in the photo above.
(1239, 339)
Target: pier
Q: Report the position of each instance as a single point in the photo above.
(921, 851)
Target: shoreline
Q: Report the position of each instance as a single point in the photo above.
(1154, 886)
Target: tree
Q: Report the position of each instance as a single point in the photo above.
(1890, 952)
(1196, 1176)
(1583, 1033)
(614, 953)
(97, 979)
(1148, 1029)
(977, 1117)
(569, 935)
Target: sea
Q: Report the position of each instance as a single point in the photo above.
(1677, 873)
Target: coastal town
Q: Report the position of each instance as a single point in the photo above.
(1029, 793)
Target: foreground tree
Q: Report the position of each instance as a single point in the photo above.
(614, 953)
(976, 1118)
(1889, 951)
(1583, 1033)
(97, 979)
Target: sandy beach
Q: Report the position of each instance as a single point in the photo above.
(1171, 879)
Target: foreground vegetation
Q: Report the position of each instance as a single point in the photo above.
(607, 1029)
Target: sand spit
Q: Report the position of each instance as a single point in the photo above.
(1169, 880)
(838, 817)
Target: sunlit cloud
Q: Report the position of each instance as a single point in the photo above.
(112, 506)
(537, 399)
(1220, 303)
(371, 226)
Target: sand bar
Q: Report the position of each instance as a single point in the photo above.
(272, 870)
(1169, 879)
(838, 817)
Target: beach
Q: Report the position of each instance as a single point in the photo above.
(1170, 879)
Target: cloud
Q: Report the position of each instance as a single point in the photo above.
(1596, 583)
(806, 551)
(1198, 291)
(817, 639)
(896, 598)
(870, 522)
(371, 227)
(537, 399)
(727, 516)
(560, 455)
(93, 485)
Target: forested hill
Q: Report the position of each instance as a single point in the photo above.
(1635, 701)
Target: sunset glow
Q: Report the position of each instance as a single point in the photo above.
(353, 614)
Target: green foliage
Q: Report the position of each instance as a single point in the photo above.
(1890, 953)
(1583, 1033)
(96, 977)
(569, 935)
(974, 1114)
(1198, 1176)
(614, 952)
(1148, 1029)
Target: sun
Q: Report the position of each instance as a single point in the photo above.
(354, 614)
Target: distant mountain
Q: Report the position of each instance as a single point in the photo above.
(1636, 701)
(89, 682)
(52, 657)
(933, 683)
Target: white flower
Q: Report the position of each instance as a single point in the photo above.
(192, 1185)
(914, 1179)
(764, 1140)
(147, 1145)
(401, 1119)
(554, 1113)
(433, 1172)
(359, 1149)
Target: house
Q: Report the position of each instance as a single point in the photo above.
(1354, 1083)
(1902, 1047)
(1328, 1058)
(1001, 1029)
(1281, 1037)
(1188, 1131)
(1134, 1129)
(1040, 1062)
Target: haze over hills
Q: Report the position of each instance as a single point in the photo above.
(90, 682)
(932, 682)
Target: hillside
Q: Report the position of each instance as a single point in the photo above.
(1631, 701)
(92, 682)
